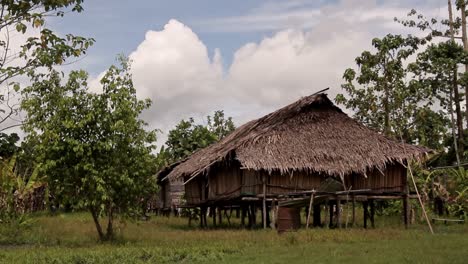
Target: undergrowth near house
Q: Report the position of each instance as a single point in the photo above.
(70, 238)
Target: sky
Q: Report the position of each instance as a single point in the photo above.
(247, 58)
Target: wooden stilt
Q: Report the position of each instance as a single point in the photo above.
(264, 204)
(228, 216)
(330, 207)
(316, 215)
(273, 214)
(201, 216)
(354, 211)
(366, 212)
(213, 215)
(372, 213)
(405, 199)
(311, 202)
(268, 217)
(249, 216)
(220, 216)
(325, 207)
(243, 214)
(203, 223)
(406, 210)
(338, 212)
(254, 215)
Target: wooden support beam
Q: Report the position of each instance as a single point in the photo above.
(213, 215)
(228, 216)
(264, 204)
(201, 216)
(254, 215)
(317, 220)
(338, 212)
(220, 216)
(249, 217)
(330, 208)
(325, 216)
(243, 214)
(311, 202)
(274, 215)
(268, 216)
(353, 223)
(406, 210)
(366, 212)
(372, 213)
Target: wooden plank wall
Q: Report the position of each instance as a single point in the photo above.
(224, 182)
(251, 182)
(193, 191)
(295, 182)
(170, 194)
(390, 181)
(232, 182)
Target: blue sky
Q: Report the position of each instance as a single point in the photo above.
(245, 57)
(119, 26)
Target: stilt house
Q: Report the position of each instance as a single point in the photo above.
(293, 150)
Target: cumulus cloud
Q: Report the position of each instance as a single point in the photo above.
(173, 66)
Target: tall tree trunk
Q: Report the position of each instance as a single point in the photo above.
(465, 46)
(386, 103)
(110, 227)
(457, 100)
(454, 89)
(96, 223)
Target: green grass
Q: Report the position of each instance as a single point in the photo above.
(71, 238)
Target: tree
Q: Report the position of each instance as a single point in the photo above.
(446, 57)
(92, 147)
(220, 126)
(380, 93)
(187, 137)
(8, 145)
(435, 68)
(42, 50)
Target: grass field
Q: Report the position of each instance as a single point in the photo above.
(71, 238)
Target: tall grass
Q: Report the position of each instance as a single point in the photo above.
(71, 238)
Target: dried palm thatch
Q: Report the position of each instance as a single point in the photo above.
(311, 134)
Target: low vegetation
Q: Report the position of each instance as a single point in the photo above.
(70, 238)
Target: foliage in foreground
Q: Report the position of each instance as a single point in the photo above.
(17, 192)
(41, 50)
(93, 148)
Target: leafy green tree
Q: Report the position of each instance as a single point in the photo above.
(220, 126)
(92, 147)
(447, 57)
(382, 97)
(187, 136)
(42, 50)
(436, 70)
(8, 145)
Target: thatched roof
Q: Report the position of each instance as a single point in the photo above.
(311, 134)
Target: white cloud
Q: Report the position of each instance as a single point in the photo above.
(173, 67)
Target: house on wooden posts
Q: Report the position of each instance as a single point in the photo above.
(171, 193)
(291, 153)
